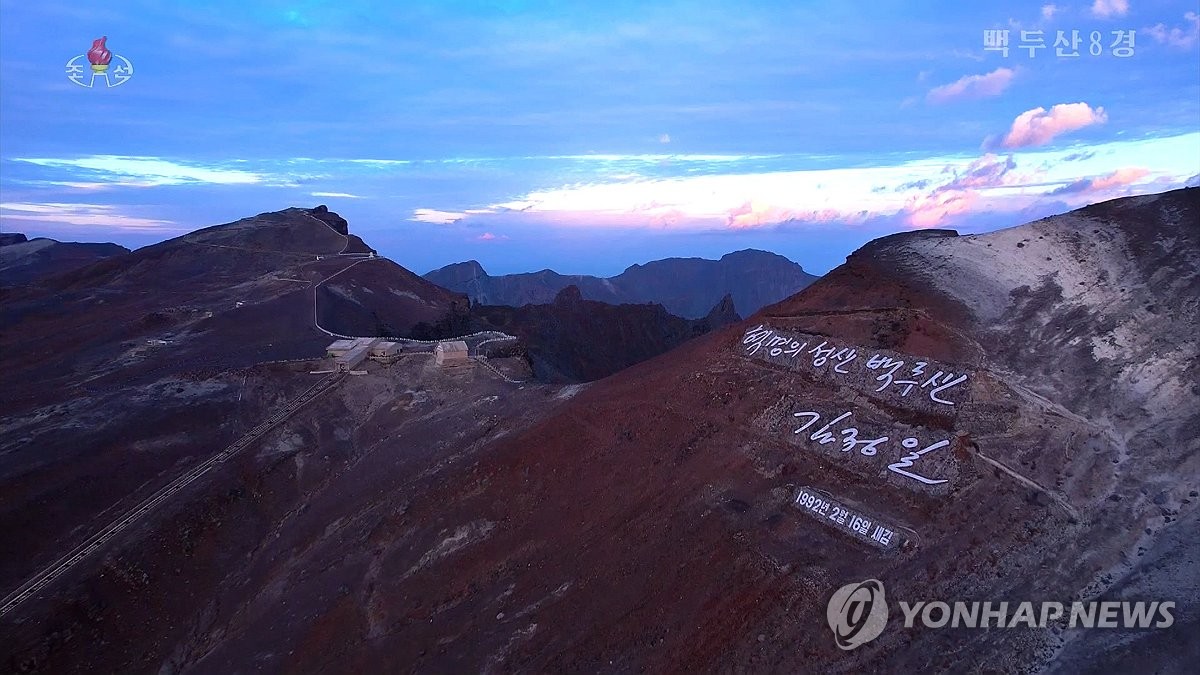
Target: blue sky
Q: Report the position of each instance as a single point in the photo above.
(589, 136)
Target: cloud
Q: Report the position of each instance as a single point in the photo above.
(987, 171)
(1118, 178)
(1182, 38)
(88, 215)
(1048, 11)
(437, 217)
(149, 171)
(931, 210)
(1194, 181)
(961, 193)
(898, 190)
(1105, 9)
(343, 195)
(973, 86)
(665, 138)
(1039, 127)
(488, 236)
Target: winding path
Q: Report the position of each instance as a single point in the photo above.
(137, 513)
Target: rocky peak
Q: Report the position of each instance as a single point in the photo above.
(723, 312)
(323, 214)
(569, 296)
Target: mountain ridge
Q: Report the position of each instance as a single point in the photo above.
(25, 261)
(686, 287)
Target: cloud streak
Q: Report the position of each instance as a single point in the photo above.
(84, 215)
(973, 87)
(149, 171)
(1107, 182)
(436, 217)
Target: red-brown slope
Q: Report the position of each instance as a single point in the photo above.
(647, 523)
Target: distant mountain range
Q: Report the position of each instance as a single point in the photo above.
(686, 287)
(24, 261)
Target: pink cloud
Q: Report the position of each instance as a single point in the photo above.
(735, 218)
(1120, 177)
(960, 193)
(750, 215)
(1039, 126)
(934, 209)
(1109, 8)
(973, 86)
(488, 236)
(1116, 179)
(1182, 38)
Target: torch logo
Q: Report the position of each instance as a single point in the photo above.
(857, 613)
(99, 57)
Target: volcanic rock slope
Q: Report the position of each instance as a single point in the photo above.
(1037, 388)
(128, 371)
(686, 287)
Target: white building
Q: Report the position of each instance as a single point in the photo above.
(340, 347)
(451, 353)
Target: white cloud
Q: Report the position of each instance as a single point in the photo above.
(1183, 38)
(149, 171)
(342, 195)
(1105, 9)
(1048, 11)
(437, 217)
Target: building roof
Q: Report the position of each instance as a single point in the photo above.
(354, 356)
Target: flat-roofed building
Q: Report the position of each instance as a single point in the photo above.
(353, 357)
(451, 353)
(339, 347)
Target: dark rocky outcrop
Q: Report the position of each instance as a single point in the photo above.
(331, 219)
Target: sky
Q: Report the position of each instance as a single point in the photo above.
(587, 136)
